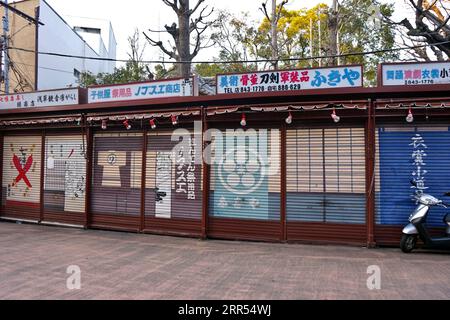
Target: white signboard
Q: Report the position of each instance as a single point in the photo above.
(144, 90)
(408, 74)
(291, 80)
(39, 99)
(163, 189)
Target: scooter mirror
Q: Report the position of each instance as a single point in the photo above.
(447, 194)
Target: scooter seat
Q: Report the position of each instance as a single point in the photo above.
(447, 218)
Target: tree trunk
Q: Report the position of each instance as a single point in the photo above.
(274, 25)
(184, 50)
(333, 24)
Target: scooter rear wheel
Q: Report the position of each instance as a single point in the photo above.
(408, 243)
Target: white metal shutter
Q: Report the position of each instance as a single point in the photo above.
(65, 174)
(21, 176)
(326, 175)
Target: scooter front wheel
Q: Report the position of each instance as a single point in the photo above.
(408, 243)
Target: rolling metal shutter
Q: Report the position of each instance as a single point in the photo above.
(404, 153)
(245, 184)
(21, 177)
(116, 183)
(326, 184)
(65, 179)
(173, 194)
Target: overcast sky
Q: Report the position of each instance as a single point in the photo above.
(127, 15)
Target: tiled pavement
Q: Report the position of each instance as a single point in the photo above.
(114, 265)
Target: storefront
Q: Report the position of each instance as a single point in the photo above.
(417, 151)
(330, 165)
(412, 141)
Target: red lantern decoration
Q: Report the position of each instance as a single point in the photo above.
(243, 120)
(126, 124)
(152, 124)
(335, 117)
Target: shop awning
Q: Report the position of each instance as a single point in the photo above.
(413, 103)
(140, 116)
(39, 121)
(362, 105)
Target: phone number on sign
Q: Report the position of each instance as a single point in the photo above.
(409, 82)
(280, 87)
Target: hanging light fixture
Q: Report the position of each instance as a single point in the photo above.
(410, 117)
(335, 117)
(104, 124)
(127, 124)
(243, 120)
(153, 124)
(174, 120)
(289, 119)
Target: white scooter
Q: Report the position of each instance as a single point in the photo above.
(416, 228)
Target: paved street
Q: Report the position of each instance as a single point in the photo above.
(114, 265)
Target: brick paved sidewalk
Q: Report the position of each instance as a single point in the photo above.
(114, 265)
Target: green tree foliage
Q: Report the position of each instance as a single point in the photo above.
(131, 72)
(359, 31)
(240, 39)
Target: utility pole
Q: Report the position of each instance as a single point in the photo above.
(5, 47)
(5, 38)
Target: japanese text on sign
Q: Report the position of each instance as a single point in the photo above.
(39, 99)
(185, 170)
(418, 156)
(416, 74)
(147, 90)
(338, 77)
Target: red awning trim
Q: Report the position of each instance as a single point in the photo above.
(222, 110)
(141, 116)
(39, 121)
(413, 105)
(308, 107)
(442, 102)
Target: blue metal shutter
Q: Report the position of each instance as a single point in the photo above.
(395, 167)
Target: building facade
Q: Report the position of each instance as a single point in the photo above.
(31, 71)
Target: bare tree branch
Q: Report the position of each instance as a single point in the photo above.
(173, 4)
(196, 6)
(159, 44)
(264, 10)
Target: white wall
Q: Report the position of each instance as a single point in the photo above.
(57, 36)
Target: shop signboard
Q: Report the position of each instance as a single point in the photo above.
(24, 100)
(410, 74)
(291, 80)
(143, 90)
